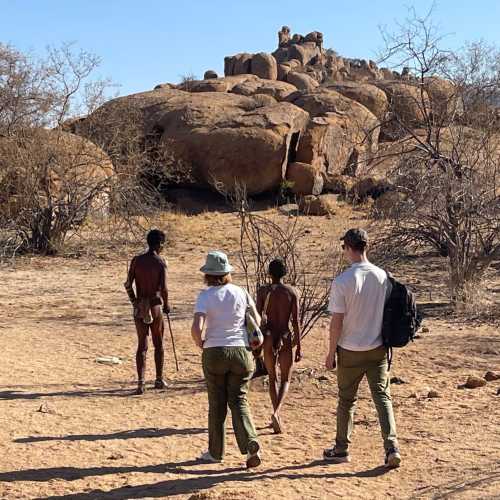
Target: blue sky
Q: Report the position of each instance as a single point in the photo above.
(143, 43)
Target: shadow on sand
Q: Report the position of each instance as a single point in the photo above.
(179, 387)
(131, 434)
(204, 478)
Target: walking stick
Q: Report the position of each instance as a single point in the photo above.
(173, 341)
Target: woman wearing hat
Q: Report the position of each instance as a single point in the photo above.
(219, 329)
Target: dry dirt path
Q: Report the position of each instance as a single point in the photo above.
(70, 429)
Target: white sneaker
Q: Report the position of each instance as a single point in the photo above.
(207, 457)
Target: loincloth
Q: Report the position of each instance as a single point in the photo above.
(143, 306)
(280, 339)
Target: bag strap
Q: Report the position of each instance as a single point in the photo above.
(266, 306)
(389, 358)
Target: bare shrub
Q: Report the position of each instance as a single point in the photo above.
(51, 180)
(262, 240)
(447, 171)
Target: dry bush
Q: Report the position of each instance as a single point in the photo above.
(262, 240)
(51, 181)
(447, 172)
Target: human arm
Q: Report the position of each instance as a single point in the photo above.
(197, 328)
(337, 308)
(164, 290)
(260, 300)
(335, 332)
(130, 281)
(296, 327)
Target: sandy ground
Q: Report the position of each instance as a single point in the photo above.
(70, 428)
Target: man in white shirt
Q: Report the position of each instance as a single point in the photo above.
(357, 300)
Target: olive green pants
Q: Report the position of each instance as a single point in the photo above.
(228, 371)
(352, 366)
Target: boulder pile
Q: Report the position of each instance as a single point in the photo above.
(301, 116)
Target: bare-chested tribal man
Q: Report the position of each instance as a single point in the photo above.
(278, 305)
(149, 272)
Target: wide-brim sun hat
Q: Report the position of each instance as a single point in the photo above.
(217, 264)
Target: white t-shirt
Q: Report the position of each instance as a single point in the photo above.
(359, 293)
(224, 307)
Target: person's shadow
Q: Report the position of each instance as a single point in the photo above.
(151, 432)
(201, 479)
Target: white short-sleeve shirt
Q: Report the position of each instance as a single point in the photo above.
(359, 293)
(225, 308)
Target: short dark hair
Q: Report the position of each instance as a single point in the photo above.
(217, 280)
(277, 268)
(356, 238)
(358, 247)
(155, 238)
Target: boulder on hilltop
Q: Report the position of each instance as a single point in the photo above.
(408, 106)
(367, 94)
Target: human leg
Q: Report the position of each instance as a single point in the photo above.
(350, 372)
(379, 382)
(285, 361)
(215, 370)
(241, 369)
(140, 356)
(157, 329)
(270, 362)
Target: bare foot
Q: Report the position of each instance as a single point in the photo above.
(141, 389)
(160, 384)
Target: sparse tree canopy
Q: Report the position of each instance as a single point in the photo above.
(446, 169)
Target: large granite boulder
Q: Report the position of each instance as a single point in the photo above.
(370, 96)
(444, 98)
(304, 179)
(210, 85)
(238, 64)
(306, 53)
(322, 205)
(274, 88)
(264, 66)
(77, 171)
(224, 137)
(408, 106)
(302, 80)
(209, 74)
(225, 84)
(342, 135)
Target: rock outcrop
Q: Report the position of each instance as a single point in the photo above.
(304, 179)
(302, 81)
(341, 136)
(370, 96)
(408, 106)
(264, 66)
(226, 138)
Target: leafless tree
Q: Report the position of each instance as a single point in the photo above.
(263, 239)
(52, 177)
(445, 169)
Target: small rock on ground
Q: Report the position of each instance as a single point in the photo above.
(473, 382)
(397, 381)
(491, 376)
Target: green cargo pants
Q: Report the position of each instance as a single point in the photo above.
(352, 366)
(228, 371)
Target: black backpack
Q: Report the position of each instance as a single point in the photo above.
(401, 319)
